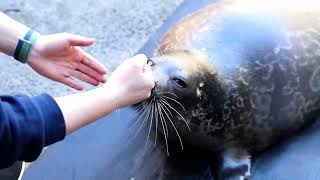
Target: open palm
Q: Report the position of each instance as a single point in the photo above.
(60, 58)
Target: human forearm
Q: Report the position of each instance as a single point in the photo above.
(83, 108)
(10, 30)
(29, 124)
(130, 83)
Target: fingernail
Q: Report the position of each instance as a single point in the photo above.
(95, 83)
(104, 78)
(105, 71)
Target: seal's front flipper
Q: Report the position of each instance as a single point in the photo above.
(235, 165)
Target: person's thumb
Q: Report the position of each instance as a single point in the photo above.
(147, 69)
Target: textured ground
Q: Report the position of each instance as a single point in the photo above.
(120, 27)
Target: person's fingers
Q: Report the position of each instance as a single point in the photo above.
(149, 81)
(93, 62)
(140, 60)
(71, 83)
(147, 69)
(83, 77)
(147, 72)
(90, 72)
(105, 77)
(140, 57)
(76, 40)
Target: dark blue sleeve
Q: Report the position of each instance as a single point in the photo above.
(27, 124)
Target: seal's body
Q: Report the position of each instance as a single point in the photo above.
(247, 74)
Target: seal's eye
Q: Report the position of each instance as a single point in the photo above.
(180, 82)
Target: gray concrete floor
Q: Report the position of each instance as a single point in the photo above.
(121, 27)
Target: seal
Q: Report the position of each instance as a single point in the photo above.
(236, 77)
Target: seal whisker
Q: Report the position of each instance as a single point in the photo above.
(163, 100)
(118, 113)
(175, 101)
(156, 115)
(161, 115)
(166, 108)
(167, 92)
(165, 123)
(144, 109)
(164, 131)
(144, 120)
(138, 118)
(151, 117)
(131, 129)
(141, 105)
(173, 126)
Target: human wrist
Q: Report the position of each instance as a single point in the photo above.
(111, 95)
(25, 44)
(35, 52)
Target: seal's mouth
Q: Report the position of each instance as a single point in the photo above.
(155, 92)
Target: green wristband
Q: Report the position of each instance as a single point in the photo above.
(24, 46)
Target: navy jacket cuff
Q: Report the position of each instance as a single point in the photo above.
(54, 124)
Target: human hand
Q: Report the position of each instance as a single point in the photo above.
(131, 82)
(59, 58)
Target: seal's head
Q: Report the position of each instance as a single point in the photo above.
(187, 95)
(183, 74)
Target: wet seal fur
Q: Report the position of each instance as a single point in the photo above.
(236, 77)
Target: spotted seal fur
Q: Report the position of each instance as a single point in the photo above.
(236, 77)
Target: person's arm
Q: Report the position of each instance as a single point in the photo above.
(130, 83)
(9, 31)
(29, 124)
(57, 57)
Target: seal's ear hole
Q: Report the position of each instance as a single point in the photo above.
(181, 83)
